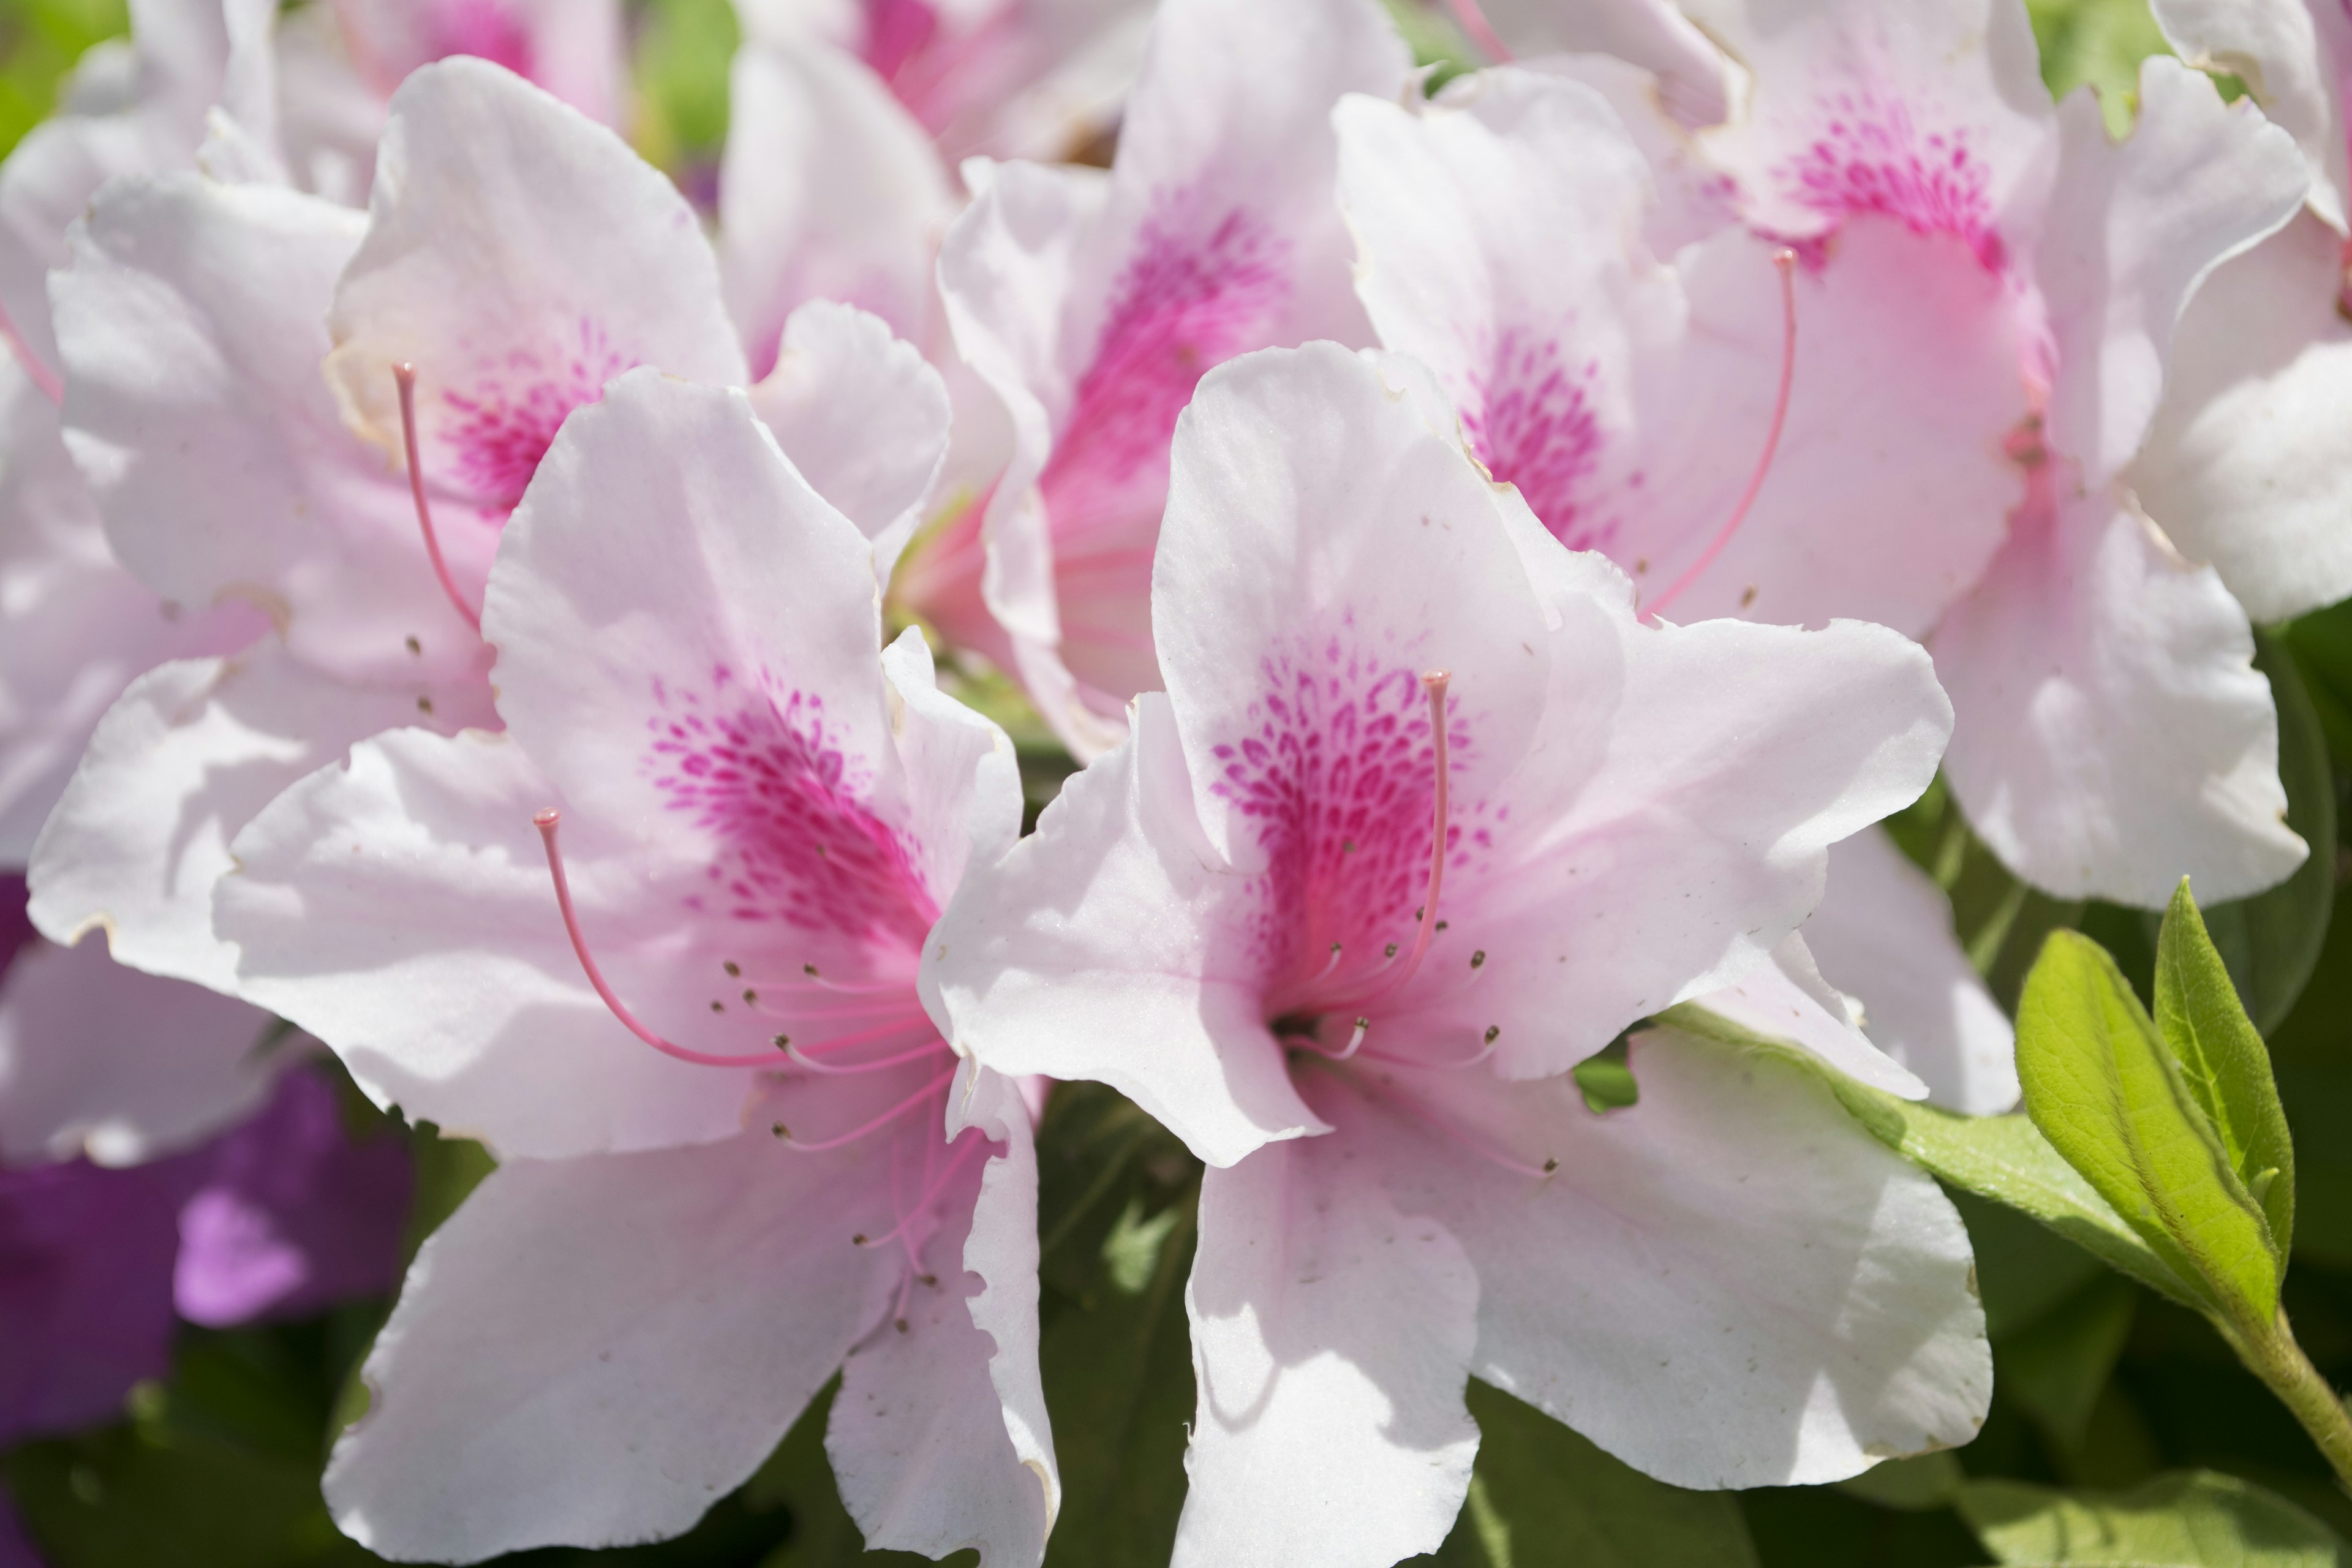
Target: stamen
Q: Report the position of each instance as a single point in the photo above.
(965, 1146)
(1355, 1041)
(880, 1122)
(2342, 292)
(1786, 262)
(802, 1059)
(1472, 20)
(1453, 1134)
(403, 376)
(52, 387)
(913, 1019)
(547, 822)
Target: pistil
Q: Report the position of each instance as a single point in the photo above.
(403, 376)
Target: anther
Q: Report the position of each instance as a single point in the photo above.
(734, 969)
(547, 822)
(403, 376)
(783, 1042)
(1785, 260)
(1478, 959)
(1494, 1032)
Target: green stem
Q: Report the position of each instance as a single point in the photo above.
(2273, 1356)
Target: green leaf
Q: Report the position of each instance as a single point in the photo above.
(2227, 1066)
(2272, 942)
(2055, 1369)
(2003, 1158)
(2108, 1096)
(2322, 644)
(1913, 1483)
(1542, 1495)
(2193, 1519)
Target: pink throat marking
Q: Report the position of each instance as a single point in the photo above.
(1433, 684)
(486, 30)
(403, 376)
(1785, 261)
(1532, 425)
(1871, 157)
(1187, 303)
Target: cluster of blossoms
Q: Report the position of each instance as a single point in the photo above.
(1497, 551)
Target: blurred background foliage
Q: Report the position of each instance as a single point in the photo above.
(2132, 1404)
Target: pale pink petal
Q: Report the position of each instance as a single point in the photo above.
(2112, 736)
(595, 1351)
(1931, 113)
(1218, 234)
(75, 627)
(2245, 463)
(2134, 229)
(102, 1060)
(927, 1445)
(1332, 1336)
(400, 909)
(519, 257)
(826, 189)
(963, 785)
(1884, 935)
(1697, 84)
(1325, 546)
(1786, 999)
(191, 319)
(862, 415)
(180, 763)
(1730, 1283)
(1675, 808)
(2291, 56)
(1112, 945)
(573, 48)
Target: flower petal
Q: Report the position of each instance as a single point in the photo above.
(2114, 736)
(1332, 1335)
(2134, 228)
(1786, 1000)
(827, 189)
(399, 910)
(937, 1436)
(1730, 1283)
(180, 763)
(1104, 946)
(545, 1380)
(190, 322)
(99, 1059)
(1885, 933)
(862, 415)
(2291, 55)
(519, 256)
(2244, 466)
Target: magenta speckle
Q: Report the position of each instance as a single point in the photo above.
(1337, 774)
(1191, 298)
(1531, 423)
(759, 768)
(503, 422)
(1871, 155)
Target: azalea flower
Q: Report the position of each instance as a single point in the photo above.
(1092, 304)
(657, 943)
(1425, 817)
(2242, 463)
(2112, 734)
(137, 1184)
(515, 256)
(1011, 78)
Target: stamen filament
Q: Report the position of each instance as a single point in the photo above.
(403, 376)
(1473, 20)
(880, 1122)
(37, 370)
(1786, 262)
(802, 1059)
(964, 1148)
(547, 822)
(1453, 1134)
(908, 1023)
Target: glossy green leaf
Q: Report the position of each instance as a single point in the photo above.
(1544, 1497)
(2224, 1061)
(2193, 1519)
(1916, 1482)
(2003, 1158)
(2272, 942)
(2104, 1091)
